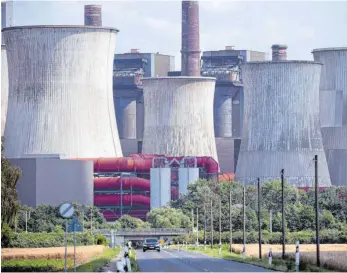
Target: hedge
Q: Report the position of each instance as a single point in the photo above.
(54, 239)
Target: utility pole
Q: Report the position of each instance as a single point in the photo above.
(259, 217)
(283, 218)
(270, 220)
(211, 225)
(197, 226)
(192, 220)
(244, 216)
(317, 208)
(205, 226)
(121, 194)
(220, 220)
(230, 223)
(91, 219)
(26, 221)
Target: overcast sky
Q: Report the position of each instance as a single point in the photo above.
(154, 26)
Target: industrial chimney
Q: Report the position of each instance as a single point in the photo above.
(279, 53)
(92, 15)
(190, 39)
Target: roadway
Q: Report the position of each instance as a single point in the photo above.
(182, 261)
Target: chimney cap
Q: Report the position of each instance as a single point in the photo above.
(279, 46)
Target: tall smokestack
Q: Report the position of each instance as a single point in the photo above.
(92, 15)
(190, 39)
(279, 53)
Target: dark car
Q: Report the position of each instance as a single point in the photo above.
(151, 244)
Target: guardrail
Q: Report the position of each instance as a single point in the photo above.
(147, 231)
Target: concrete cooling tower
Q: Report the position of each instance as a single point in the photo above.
(333, 110)
(60, 91)
(4, 88)
(281, 123)
(179, 116)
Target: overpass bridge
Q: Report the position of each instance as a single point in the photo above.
(119, 236)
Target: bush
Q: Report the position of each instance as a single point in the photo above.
(54, 239)
(7, 235)
(100, 239)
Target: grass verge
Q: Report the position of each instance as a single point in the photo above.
(132, 256)
(37, 265)
(99, 262)
(286, 265)
(57, 265)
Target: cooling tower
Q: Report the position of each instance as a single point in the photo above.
(92, 15)
(4, 88)
(179, 116)
(333, 110)
(281, 123)
(190, 39)
(60, 92)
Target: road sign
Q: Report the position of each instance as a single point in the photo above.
(75, 226)
(66, 210)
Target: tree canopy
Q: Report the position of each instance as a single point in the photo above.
(167, 217)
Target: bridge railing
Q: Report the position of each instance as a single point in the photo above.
(145, 231)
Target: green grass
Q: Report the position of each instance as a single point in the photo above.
(132, 256)
(286, 265)
(39, 265)
(99, 261)
(44, 265)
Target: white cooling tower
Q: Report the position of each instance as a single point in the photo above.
(60, 91)
(333, 110)
(281, 124)
(4, 88)
(179, 116)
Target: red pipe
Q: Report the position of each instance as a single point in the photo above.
(143, 163)
(109, 183)
(226, 177)
(114, 200)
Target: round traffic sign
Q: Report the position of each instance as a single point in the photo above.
(66, 210)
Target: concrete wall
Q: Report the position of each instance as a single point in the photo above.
(226, 154)
(333, 110)
(179, 116)
(282, 126)
(4, 87)
(63, 101)
(53, 181)
(129, 146)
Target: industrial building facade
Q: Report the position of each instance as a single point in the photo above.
(224, 65)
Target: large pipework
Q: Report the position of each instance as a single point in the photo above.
(4, 88)
(279, 53)
(190, 39)
(281, 124)
(60, 91)
(333, 110)
(179, 116)
(93, 15)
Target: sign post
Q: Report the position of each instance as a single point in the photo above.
(297, 257)
(66, 211)
(75, 227)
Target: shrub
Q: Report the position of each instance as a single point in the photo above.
(7, 235)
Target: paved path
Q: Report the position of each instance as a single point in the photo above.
(181, 261)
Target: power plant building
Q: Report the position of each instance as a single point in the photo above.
(228, 99)
(129, 70)
(333, 110)
(62, 103)
(281, 124)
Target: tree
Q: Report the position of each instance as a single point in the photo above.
(130, 222)
(9, 199)
(167, 217)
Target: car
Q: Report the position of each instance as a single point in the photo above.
(151, 244)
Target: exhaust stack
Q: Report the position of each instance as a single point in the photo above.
(92, 15)
(279, 53)
(190, 39)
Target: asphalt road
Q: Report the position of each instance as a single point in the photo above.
(181, 261)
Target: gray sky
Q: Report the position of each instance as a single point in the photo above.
(154, 26)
